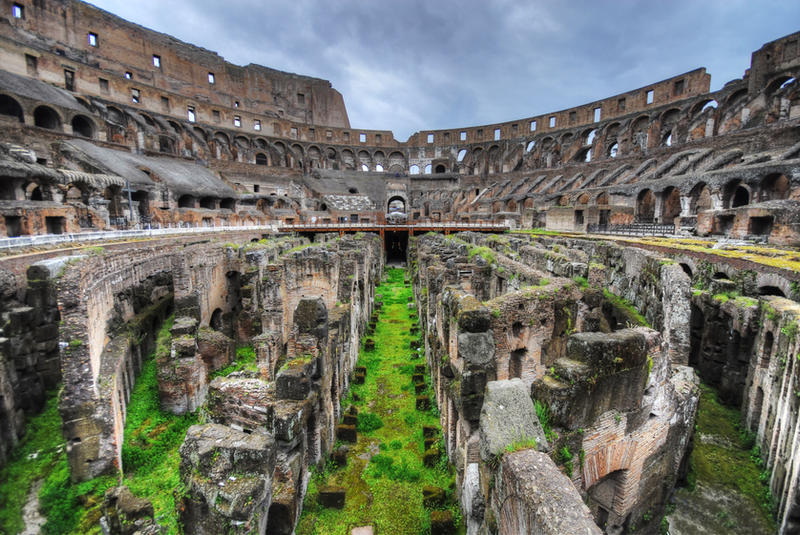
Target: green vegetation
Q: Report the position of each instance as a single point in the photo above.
(728, 459)
(626, 306)
(564, 456)
(149, 456)
(245, 361)
(521, 444)
(385, 474)
(581, 281)
(543, 413)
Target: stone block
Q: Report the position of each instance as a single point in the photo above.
(216, 349)
(508, 416)
(184, 325)
(361, 369)
(419, 368)
(442, 523)
(429, 442)
(339, 456)
(331, 496)
(477, 349)
(359, 379)
(419, 388)
(346, 433)
(431, 457)
(125, 513)
(369, 344)
(417, 378)
(432, 497)
(349, 419)
(294, 380)
(228, 476)
(414, 344)
(423, 403)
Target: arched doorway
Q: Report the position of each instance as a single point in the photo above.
(396, 205)
(645, 206)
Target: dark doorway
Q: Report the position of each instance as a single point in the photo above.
(396, 245)
(55, 225)
(13, 226)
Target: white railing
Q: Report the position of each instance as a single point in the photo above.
(412, 226)
(80, 237)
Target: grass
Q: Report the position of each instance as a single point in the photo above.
(732, 462)
(627, 306)
(245, 361)
(384, 489)
(149, 456)
(40, 452)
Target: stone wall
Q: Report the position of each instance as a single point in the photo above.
(621, 398)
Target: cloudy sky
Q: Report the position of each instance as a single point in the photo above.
(429, 64)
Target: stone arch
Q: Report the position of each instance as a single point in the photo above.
(440, 168)
(583, 198)
(670, 204)
(645, 206)
(639, 132)
(396, 204)
(699, 198)
(397, 162)
(735, 194)
(260, 143)
(776, 83)
(602, 198)
(11, 108)
(413, 170)
(702, 106)
(166, 144)
(262, 159)
(83, 126)
(348, 159)
(774, 186)
(47, 117)
(33, 191)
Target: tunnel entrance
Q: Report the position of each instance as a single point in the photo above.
(396, 244)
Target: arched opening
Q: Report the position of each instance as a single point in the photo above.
(645, 206)
(720, 276)
(613, 150)
(774, 186)
(428, 169)
(228, 204)
(82, 126)
(46, 117)
(440, 168)
(364, 167)
(209, 203)
(530, 146)
(601, 498)
(515, 361)
(461, 154)
(396, 205)
(686, 269)
(74, 194)
(11, 108)
(33, 192)
(671, 205)
(216, 320)
(741, 197)
(379, 168)
(766, 352)
(770, 290)
(699, 198)
(186, 201)
(279, 520)
(261, 159)
(166, 145)
(413, 170)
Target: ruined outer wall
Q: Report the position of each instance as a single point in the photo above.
(62, 28)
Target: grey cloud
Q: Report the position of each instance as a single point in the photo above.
(413, 65)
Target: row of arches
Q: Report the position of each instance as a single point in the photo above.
(47, 117)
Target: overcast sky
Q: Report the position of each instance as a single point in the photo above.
(413, 65)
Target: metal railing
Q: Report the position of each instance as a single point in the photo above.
(411, 226)
(80, 237)
(634, 229)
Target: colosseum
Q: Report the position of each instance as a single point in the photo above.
(225, 310)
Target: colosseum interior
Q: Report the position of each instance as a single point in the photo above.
(224, 310)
